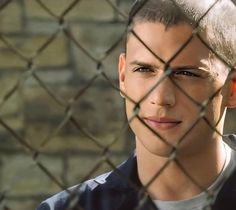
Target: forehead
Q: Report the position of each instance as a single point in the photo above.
(165, 42)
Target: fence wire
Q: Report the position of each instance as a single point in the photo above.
(32, 71)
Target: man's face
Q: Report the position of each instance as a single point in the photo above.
(169, 111)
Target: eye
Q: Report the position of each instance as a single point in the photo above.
(143, 69)
(186, 73)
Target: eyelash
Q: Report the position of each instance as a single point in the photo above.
(185, 73)
(143, 69)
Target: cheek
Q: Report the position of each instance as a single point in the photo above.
(132, 92)
(135, 89)
(215, 96)
(201, 93)
(216, 108)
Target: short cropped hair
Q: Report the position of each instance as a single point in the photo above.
(218, 25)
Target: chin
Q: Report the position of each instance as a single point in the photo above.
(155, 148)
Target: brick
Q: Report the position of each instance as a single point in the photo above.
(102, 105)
(55, 54)
(10, 60)
(71, 143)
(21, 175)
(96, 40)
(37, 26)
(18, 204)
(7, 82)
(92, 9)
(50, 77)
(42, 113)
(8, 141)
(98, 10)
(111, 63)
(15, 123)
(65, 69)
(28, 46)
(94, 100)
(11, 18)
(85, 67)
(34, 10)
(39, 104)
(124, 6)
(13, 105)
(77, 176)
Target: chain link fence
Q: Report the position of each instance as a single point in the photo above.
(62, 119)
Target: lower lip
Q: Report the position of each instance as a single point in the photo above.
(161, 125)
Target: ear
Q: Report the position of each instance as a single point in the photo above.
(232, 96)
(122, 62)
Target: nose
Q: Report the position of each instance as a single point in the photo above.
(163, 94)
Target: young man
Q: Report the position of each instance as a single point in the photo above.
(177, 91)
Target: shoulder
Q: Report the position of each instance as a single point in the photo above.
(230, 140)
(104, 190)
(59, 201)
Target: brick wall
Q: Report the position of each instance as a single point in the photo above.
(65, 69)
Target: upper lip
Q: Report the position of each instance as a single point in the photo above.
(161, 119)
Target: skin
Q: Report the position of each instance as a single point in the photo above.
(170, 113)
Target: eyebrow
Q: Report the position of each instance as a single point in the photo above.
(152, 65)
(141, 63)
(188, 67)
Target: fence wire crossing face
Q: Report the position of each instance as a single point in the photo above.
(136, 103)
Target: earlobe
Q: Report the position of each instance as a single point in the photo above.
(233, 89)
(122, 73)
(232, 97)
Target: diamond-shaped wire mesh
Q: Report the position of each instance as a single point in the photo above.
(62, 118)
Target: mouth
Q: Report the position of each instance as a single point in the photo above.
(161, 123)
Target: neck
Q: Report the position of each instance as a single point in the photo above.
(174, 183)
